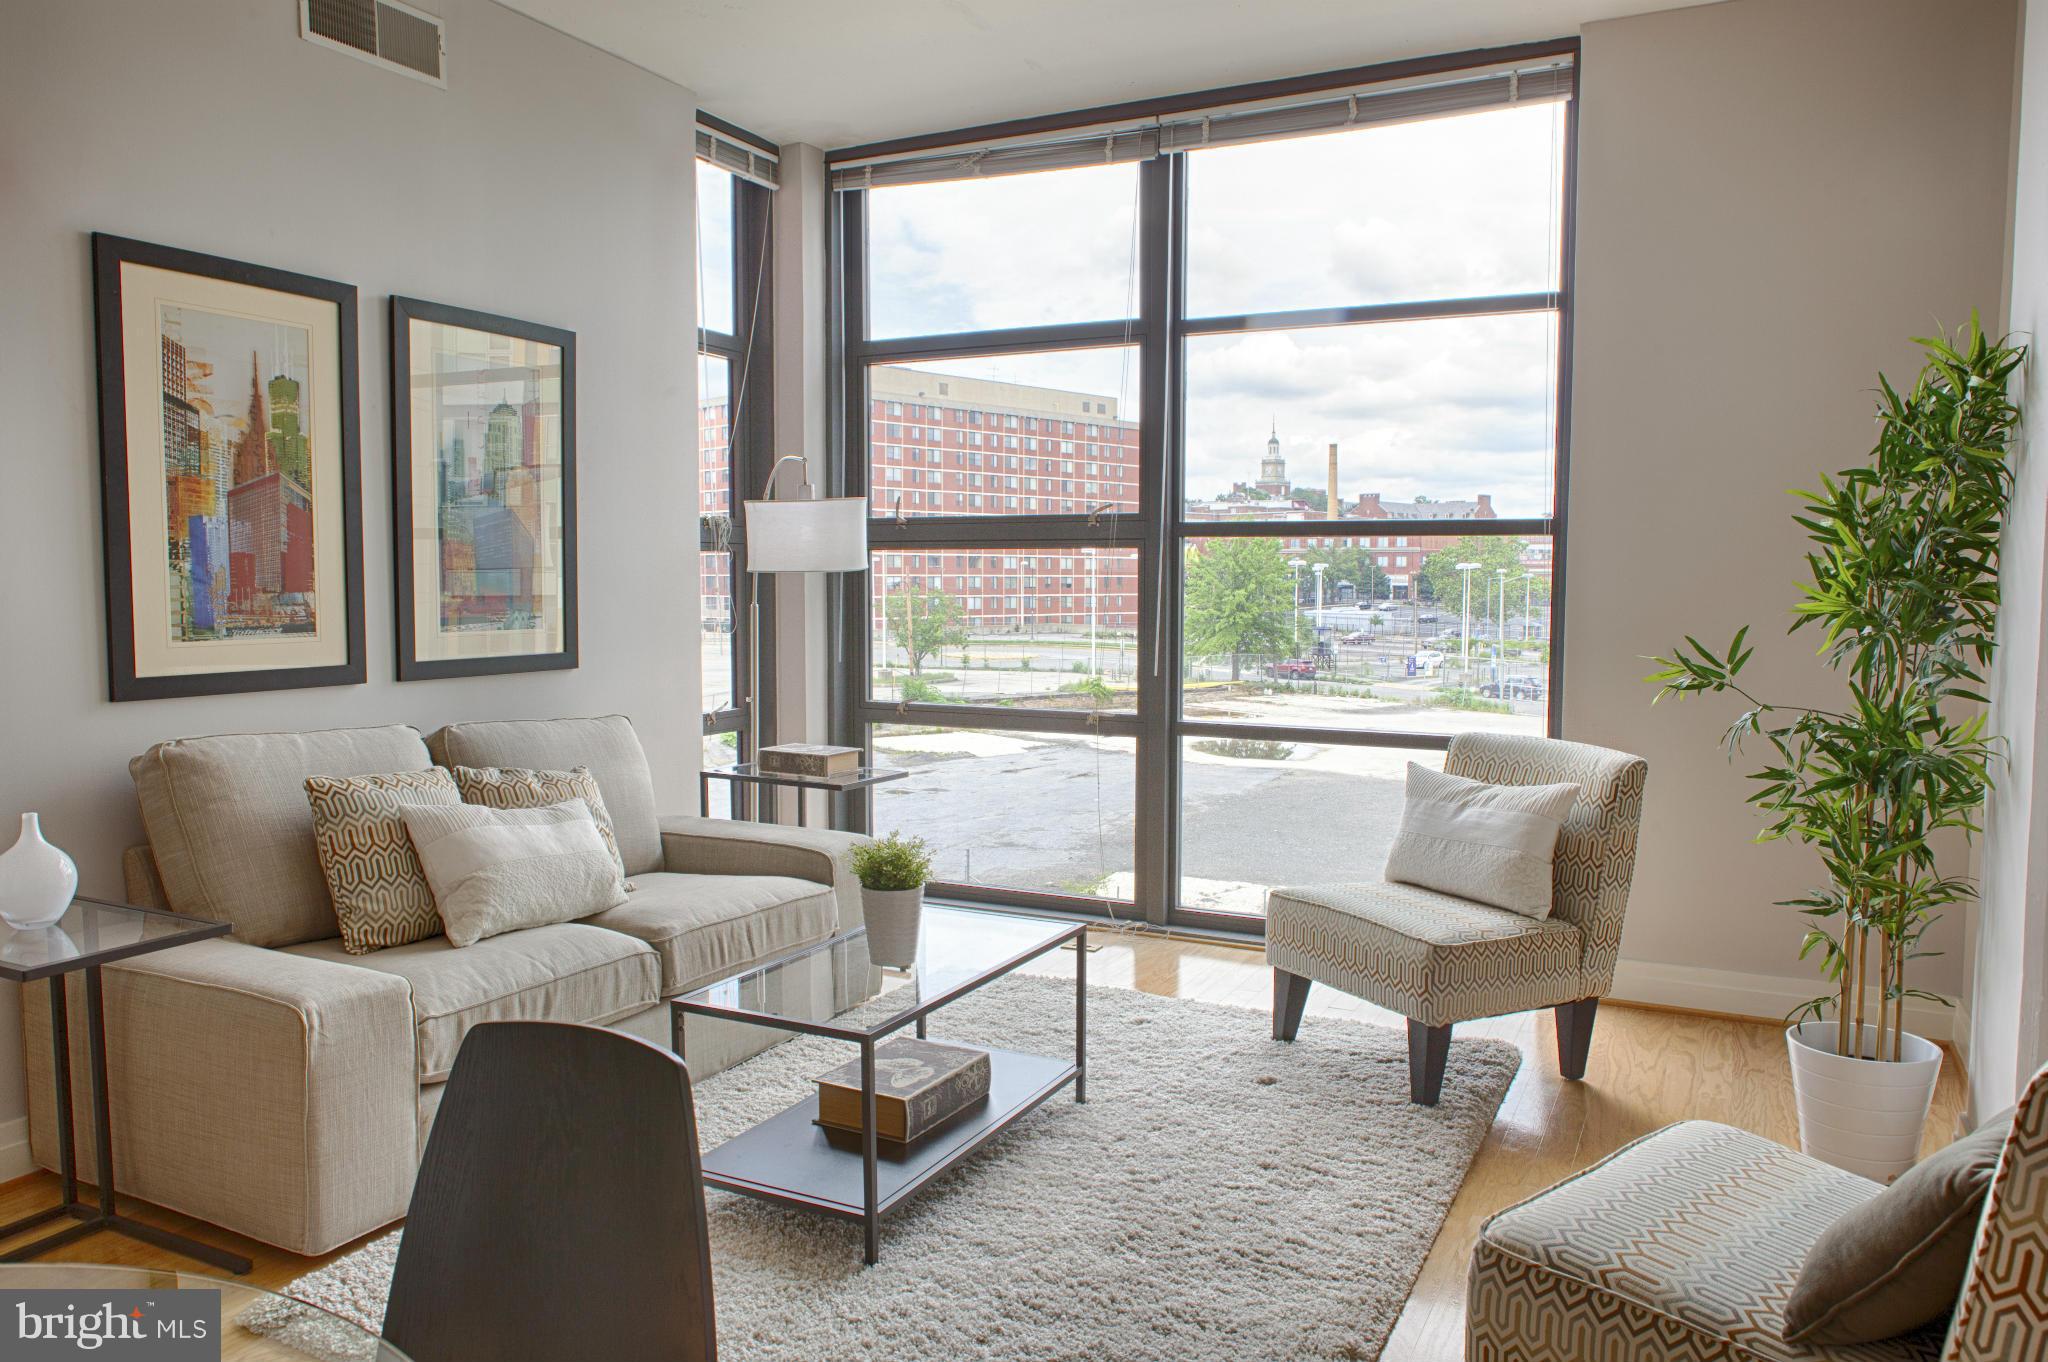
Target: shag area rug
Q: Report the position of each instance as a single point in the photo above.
(1221, 1195)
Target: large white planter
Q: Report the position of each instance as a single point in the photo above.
(1863, 1115)
(36, 880)
(893, 917)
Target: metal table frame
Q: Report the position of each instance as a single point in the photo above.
(103, 1216)
(750, 773)
(973, 1135)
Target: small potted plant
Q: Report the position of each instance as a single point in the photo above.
(1905, 593)
(892, 871)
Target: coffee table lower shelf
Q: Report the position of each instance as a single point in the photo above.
(790, 1160)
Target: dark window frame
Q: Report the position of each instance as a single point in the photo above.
(748, 355)
(1158, 528)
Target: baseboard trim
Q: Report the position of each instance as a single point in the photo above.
(14, 1156)
(1767, 997)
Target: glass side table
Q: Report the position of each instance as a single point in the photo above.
(749, 773)
(251, 1324)
(93, 933)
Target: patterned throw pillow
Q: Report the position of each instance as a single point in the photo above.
(381, 896)
(510, 787)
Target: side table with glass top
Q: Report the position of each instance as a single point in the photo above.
(93, 933)
(750, 773)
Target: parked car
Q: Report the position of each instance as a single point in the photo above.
(1360, 637)
(1292, 669)
(1428, 657)
(1514, 688)
(1427, 617)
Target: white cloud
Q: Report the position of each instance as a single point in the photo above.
(1446, 208)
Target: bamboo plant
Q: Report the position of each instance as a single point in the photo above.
(1904, 593)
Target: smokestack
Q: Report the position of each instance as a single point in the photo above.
(1333, 498)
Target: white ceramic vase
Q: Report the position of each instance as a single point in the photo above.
(1863, 1115)
(893, 917)
(37, 881)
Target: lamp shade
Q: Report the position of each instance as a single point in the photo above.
(826, 535)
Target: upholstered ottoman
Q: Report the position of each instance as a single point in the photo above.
(1684, 1245)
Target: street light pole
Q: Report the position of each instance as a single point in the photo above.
(1294, 567)
(1093, 597)
(1500, 633)
(1465, 571)
(1320, 569)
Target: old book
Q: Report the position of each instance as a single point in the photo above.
(919, 1085)
(808, 759)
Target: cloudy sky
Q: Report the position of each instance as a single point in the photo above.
(1455, 207)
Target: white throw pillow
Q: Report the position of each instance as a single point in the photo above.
(1488, 843)
(498, 870)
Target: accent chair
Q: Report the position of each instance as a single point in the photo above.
(1686, 1244)
(1438, 959)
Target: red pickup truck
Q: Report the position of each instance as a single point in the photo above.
(1292, 669)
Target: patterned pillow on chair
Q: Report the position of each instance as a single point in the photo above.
(380, 893)
(510, 787)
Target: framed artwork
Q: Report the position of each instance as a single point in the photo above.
(230, 484)
(483, 447)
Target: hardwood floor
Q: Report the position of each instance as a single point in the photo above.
(1648, 1068)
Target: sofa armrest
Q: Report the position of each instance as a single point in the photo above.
(140, 881)
(274, 1095)
(722, 846)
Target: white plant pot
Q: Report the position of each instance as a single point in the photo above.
(37, 881)
(893, 917)
(1863, 1115)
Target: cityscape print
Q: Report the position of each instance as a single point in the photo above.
(238, 475)
(497, 442)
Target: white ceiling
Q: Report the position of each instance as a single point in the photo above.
(840, 72)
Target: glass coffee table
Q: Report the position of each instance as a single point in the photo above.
(833, 989)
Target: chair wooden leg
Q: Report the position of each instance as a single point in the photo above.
(1575, 1035)
(1428, 1048)
(1290, 995)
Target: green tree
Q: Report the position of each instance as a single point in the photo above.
(922, 621)
(1239, 600)
(1439, 578)
(1354, 565)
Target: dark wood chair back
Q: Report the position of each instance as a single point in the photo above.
(559, 1213)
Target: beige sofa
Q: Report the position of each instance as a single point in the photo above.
(274, 1084)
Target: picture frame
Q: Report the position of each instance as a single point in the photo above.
(231, 524)
(483, 476)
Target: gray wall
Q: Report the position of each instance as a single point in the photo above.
(2009, 1013)
(549, 181)
(1775, 195)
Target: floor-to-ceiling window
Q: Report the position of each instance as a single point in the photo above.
(1216, 463)
(733, 429)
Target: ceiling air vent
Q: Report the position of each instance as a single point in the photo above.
(395, 36)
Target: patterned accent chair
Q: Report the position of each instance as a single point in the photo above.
(1437, 959)
(1685, 1245)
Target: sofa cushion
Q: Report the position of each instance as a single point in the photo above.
(381, 896)
(231, 830)
(509, 787)
(1683, 1244)
(1426, 955)
(706, 926)
(563, 973)
(608, 746)
(502, 870)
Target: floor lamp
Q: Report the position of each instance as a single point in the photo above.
(803, 533)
